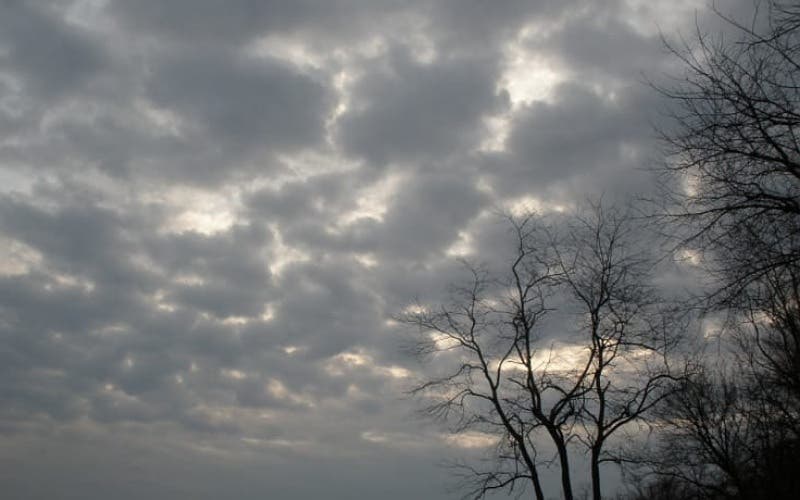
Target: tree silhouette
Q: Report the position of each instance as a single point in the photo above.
(605, 366)
(732, 431)
(734, 171)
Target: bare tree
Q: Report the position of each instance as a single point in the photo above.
(630, 334)
(501, 381)
(722, 440)
(734, 169)
(709, 442)
(735, 198)
(510, 376)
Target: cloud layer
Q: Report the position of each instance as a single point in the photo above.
(210, 212)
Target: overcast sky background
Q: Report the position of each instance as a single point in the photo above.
(210, 210)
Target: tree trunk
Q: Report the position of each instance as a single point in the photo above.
(563, 457)
(537, 485)
(596, 473)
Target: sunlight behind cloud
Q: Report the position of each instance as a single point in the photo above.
(197, 210)
(526, 205)
(689, 257)
(233, 374)
(284, 48)
(17, 258)
(340, 364)
(653, 18)
(528, 76)
(462, 247)
(283, 255)
(278, 390)
(162, 120)
(471, 440)
(557, 357)
(394, 439)
(159, 299)
(497, 129)
(70, 281)
(373, 201)
(367, 260)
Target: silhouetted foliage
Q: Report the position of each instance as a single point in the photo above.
(733, 431)
(734, 166)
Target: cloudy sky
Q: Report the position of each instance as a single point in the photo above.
(209, 212)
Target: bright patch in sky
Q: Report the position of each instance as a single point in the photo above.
(529, 76)
(16, 258)
(471, 440)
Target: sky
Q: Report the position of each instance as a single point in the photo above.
(211, 211)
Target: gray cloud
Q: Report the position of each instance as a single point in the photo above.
(608, 48)
(580, 142)
(410, 111)
(50, 56)
(243, 102)
(241, 20)
(427, 215)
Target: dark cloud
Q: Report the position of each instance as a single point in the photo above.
(318, 199)
(241, 20)
(224, 274)
(605, 48)
(80, 241)
(45, 61)
(473, 25)
(581, 142)
(244, 103)
(426, 216)
(409, 111)
(50, 56)
(325, 310)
